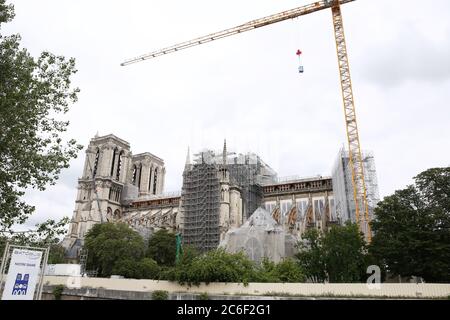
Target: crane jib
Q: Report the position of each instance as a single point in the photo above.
(251, 25)
(362, 215)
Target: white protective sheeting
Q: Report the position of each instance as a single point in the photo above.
(260, 236)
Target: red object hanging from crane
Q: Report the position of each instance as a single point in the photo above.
(300, 67)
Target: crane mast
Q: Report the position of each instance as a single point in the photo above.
(354, 148)
(355, 156)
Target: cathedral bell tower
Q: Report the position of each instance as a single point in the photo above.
(100, 188)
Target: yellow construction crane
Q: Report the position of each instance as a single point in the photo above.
(355, 157)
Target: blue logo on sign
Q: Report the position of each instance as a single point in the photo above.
(21, 284)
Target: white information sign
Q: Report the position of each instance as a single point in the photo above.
(23, 275)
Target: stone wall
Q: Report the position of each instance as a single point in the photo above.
(139, 287)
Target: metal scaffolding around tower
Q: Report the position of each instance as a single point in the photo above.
(342, 186)
(201, 206)
(201, 193)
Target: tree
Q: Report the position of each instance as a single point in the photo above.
(218, 266)
(289, 271)
(412, 228)
(34, 94)
(181, 270)
(143, 269)
(109, 243)
(162, 248)
(56, 254)
(344, 251)
(47, 234)
(311, 256)
(188, 254)
(266, 271)
(338, 255)
(148, 269)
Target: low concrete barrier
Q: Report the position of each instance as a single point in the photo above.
(388, 290)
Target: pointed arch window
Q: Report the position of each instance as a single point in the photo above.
(134, 174)
(155, 178)
(109, 214)
(113, 161)
(119, 165)
(139, 176)
(97, 156)
(150, 179)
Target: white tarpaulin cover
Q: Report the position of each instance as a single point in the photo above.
(260, 236)
(23, 274)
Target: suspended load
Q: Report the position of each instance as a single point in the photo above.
(300, 67)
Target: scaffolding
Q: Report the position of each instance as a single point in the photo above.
(201, 207)
(342, 185)
(201, 192)
(245, 176)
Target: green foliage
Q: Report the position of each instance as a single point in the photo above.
(149, 269)
(160, 295)
(35, 93)
(57, 291)
(311, 256)
(338, 256)
(412, 228)
(217, 266)
(181, 271)
(6, 12)
(127, 268)
(344, 254)
(188, 254)
(109, 243)
(220, 266)
(203, 296)
(47, 234)
(162, 248)
(288, 270)
(266, 271)
(168, 273)
(56, 254)
(143, 269)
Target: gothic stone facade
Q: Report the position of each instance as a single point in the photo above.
(119, 186)
(112, 179)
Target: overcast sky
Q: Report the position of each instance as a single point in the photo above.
(246, 88)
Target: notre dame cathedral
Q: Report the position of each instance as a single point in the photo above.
(220, 191)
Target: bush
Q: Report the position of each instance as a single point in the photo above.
(126, 268)
(109, 243)
(217, 266)
(148, 269)
(160, 295)
(220, 266)
(339, 255)
(188, 254)
(168, 273)
(162, 248)
(265, 272)
(143, 269)
(57, 291)
(289, 271)
(203, 296)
